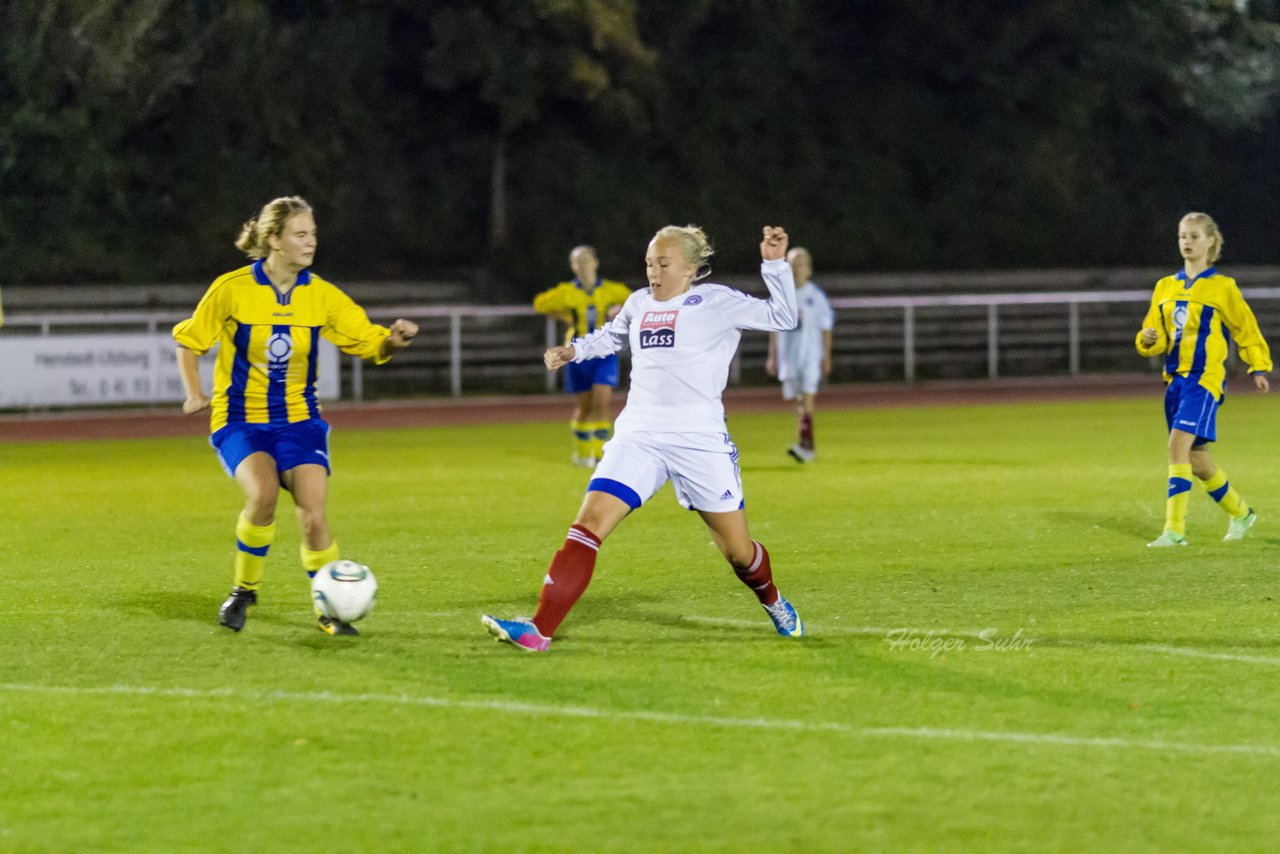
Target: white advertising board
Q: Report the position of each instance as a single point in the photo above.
(83, 370)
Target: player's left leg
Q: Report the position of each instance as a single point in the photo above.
(805, 414)
(309, 485)
(600, 423)
(303, 451)
(1215, 482)
(750, 562)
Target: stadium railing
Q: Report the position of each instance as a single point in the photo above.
(466, 348)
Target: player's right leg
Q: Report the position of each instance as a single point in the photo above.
(1175, 517)
(791, 391)
(255, 529)
(623, 482)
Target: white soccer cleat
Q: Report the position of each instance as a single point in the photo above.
(802, 455)
(1168, 538)
(1237, 527)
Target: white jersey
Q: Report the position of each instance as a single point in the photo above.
(802, 348)
(681, 348)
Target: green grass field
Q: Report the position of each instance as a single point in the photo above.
(1144, 714)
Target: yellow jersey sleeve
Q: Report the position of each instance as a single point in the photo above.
(1153, 320)
(615, 293)
(558, 300)
(205, 326)
(1243, 326)
(348, 327)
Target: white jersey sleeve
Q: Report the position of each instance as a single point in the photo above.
(608, 339)
(826, 315)
(778, 313)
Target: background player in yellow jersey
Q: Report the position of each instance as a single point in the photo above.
(268, 319)
(586, 303)
(1191, 313)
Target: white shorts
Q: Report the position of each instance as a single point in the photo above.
(703, 468)
(804, 380)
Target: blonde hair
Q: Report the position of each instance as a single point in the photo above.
(694, 246)
(269, 223)
(1210, 228)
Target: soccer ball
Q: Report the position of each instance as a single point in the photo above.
(344, 590)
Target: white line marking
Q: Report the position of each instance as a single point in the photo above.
(508, 707)
(1043, 642)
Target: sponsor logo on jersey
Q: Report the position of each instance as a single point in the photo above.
(658, 329)
(1180, 316)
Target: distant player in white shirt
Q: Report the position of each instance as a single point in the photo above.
(683, 336)
(801, 358)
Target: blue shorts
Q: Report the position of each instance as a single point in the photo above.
(289, 445)
(581, 376)
(1191, 408)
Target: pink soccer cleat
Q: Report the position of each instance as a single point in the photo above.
(519, 632)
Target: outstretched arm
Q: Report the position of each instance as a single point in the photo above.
(779, 311)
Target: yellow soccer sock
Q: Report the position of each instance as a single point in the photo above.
(312, 561)
(252, 543)
(1221, 491)
(581, 438)
(1175, 511)
(601, 432)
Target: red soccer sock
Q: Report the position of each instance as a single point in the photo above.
(806, 430)
(759, 576)
(568, 577)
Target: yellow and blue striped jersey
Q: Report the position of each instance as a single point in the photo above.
(1193, 318)
(266, 367)
(584, 312)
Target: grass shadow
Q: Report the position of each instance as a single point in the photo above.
(192, 607)
(1127, 526)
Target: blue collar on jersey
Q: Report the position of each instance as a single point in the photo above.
(1182, 276)
(260, 276)
(578, 284)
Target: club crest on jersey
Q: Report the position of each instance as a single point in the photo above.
(658, 329)
(279, 351)
(693, 299)
(1180, 316)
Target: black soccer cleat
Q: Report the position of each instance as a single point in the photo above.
(335, 627)
(233, 612)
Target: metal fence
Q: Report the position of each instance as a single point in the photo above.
(890, 337)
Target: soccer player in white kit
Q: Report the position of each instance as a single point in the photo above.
(683, 335)
(801, 358)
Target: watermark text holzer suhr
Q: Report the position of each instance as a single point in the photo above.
(936, 642)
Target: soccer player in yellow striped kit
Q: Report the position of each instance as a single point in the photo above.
(586, 303)
(268, 319)
(1191, 314)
